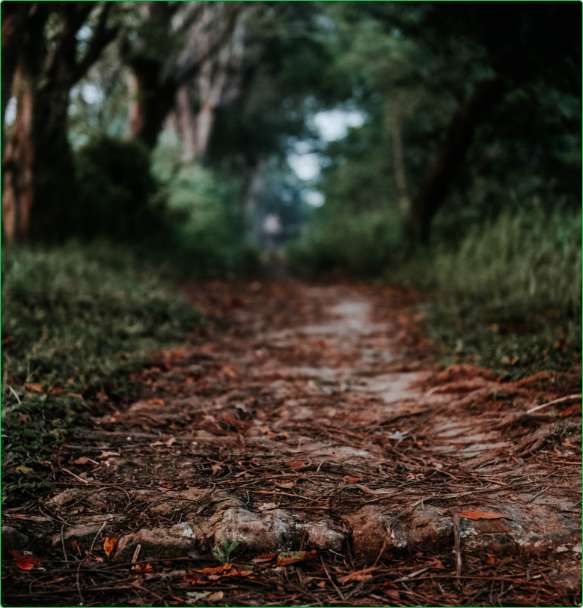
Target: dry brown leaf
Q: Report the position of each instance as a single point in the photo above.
(217, 595)
(82, 460)
(34, 387)
(24, 560)
(109, 545)
(298, 464)
(211, 570)
(286, 485)
(293, 557)
(475, 515)
(264, 558)
(358, 576)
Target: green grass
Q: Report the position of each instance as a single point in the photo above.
(508, 296)
(76, 321)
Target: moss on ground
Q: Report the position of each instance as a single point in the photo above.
(77, 320)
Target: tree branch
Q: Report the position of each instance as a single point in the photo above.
(188, 72)
(102, 36)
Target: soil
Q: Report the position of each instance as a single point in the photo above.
(309, 450)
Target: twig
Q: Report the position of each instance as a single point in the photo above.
(76, 476)
(457, 546)
(95, 537)
(553, 402)
(340, 594)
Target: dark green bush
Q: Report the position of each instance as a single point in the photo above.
(120, 199)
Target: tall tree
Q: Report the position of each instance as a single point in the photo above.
(53, 56)
(172, 48)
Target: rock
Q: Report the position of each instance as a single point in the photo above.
(85, 527)
(176, 541)
(428, 527)
(371, 531)
(322, 535)
(260, 532)
(376, 530)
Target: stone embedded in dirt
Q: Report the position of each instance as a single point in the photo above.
(322, 535)
(376, 530)
(257, 532)
(533, 530)
(428, 526)
(85, 527)
(371, 531)
(176, 541)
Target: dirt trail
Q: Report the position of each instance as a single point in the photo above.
(307, 445)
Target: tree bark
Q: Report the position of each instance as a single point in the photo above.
(450, 157)
(13, 25)
(151, 100)
(38, 160)
(399, 169)
(186, 123)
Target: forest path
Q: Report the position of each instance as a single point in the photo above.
(309, 444)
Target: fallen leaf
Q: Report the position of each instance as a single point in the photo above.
(143, 568)
(286, 485)
(215, 569)
(83, 460)
(25, 560)
(264, 558)
(216, 469)
(351, 479)
(358, 576)
(214, 573)
(109, 545)
(108, 455)
(34, 387)
(24, 469)
(293, 557)
(298, 464)
(475, 515)
(217, 595)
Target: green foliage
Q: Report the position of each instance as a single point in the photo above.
(76, 320)
(223, 553)
(209, 239)
(120, 198)
(360, 245)
(508, 295)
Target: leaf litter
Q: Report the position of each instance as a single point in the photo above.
(314, 446)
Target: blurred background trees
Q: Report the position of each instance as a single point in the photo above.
(175, 126)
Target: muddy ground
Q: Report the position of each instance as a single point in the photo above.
(309, 450)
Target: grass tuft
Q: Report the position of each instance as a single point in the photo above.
(77, 319)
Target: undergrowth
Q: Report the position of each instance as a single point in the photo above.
(76, 320)
(508, 295)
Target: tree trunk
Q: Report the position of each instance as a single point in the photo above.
(450, 157)
(399, 169)
(151, 101)
(39, 169)
(19, 163)
(38, 162)
(186, 123)
(13, 26)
